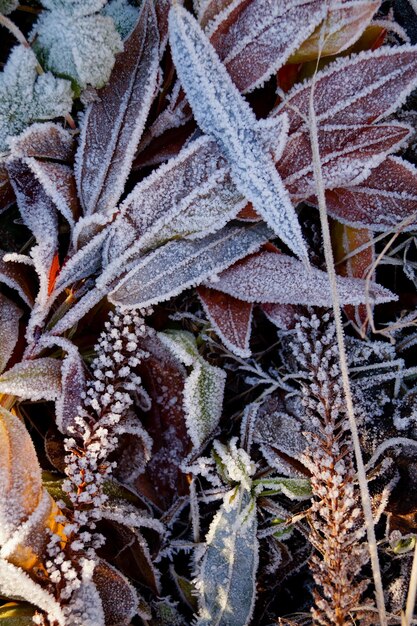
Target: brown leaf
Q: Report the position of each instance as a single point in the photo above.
(163, 378)
(9, 329)
(113, 125)
(342, 27)
(44, 141)
(119, 599)
(230, 317)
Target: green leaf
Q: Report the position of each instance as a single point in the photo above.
(293, 488)
(203, 389)
(226, 580)
(26, 97)
(7, 6)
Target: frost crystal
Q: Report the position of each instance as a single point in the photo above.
(26, 97)
(223, 114)
(7, 6)
(78, 43)
(123, 14)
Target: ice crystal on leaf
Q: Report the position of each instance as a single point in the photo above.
(75, 41)
(26, 97)
(37, 379)
(123, 14)
(223, 114)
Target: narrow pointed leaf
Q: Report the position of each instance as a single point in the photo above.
(384, 200)
(268, 277)
(223, 114)
(360, 89)
(178, 265)
(226, 580)
(348, 155)
(191, 195)
(113, 125)
(43, 141)
(254, 39)
(230, 318)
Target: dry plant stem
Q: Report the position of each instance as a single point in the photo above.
(412, 591)
(328, 253)
(17, 33)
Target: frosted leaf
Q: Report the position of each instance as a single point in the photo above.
(292, 488)
(226, 579)
(254, 39)
(7, 6)
(9, 329)
(82, 263)
(77, 311)
(282, 315)
(119, 598)
(26, 97)
(14, 583)
(344, 24)
(57, 180)
(359, 89)
(113, 124)
(43, 141)
(20, 476)
(206, 10)
(192, 195)
(69, 400)
(178, 265)
(17, 277)
(230, 318)
(38, 379)
(77, 8)
(222, 113)
(127, 514)
(123, 14)
(348, 154)
(134, 449)
(6, 190)
(384, 200)
(203, 389)
(78, 46)
(271, 277)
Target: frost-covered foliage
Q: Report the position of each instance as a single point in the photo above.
(27, 97)
(237, 455)
(75, 41)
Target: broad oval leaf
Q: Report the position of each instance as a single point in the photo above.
(226, 579)
(118, 597)
(359, 89)
(37, 379)
(268, 277)
(10, 315)
(222, 113)
(113, 125)
(230, 318)
(178, 265)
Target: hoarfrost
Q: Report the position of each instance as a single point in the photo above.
(223, 114)
(37, 379)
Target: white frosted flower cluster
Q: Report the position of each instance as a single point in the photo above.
(107, 399)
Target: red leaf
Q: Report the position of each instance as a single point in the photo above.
(386, 199)
(44, 141)
(230, 317)
(282, 315)
(53, 272)
(359, 89)
(163, 377)
(347, 155)
(254, 38)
